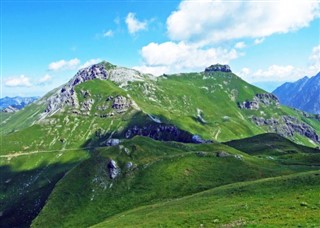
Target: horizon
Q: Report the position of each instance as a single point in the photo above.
(265, 49)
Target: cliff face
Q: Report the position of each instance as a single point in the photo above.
(303, 94)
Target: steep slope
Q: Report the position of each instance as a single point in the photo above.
(303, 94)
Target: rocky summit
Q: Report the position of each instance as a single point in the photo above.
(218, 67)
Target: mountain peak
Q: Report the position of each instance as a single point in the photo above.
(218, 67)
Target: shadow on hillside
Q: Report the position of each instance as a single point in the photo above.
(24, 193)
(142, 125)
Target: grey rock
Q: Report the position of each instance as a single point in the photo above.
(113, 168)
(113, 142)
(238, 156)
(87, 105)
(265, 99)
(287, 126)
(121, 103)
(65, 96)
(217, 67)
(223, 154)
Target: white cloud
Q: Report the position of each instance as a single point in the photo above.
(45, 78)
(90, 62)
(214, 21)
(21, 81)
(244, 72)
(134, 25)
(275, 73)
(154, 70)
(258, 41)
(171, 57)
(281, 73)
(108, 33)
(240, 45)
(64, 64)
(315, 60)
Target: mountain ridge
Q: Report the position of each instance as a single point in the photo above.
(113, 139)
(303, 94)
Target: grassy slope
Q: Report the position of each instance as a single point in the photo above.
(27, 180)
(174, 99)
(87, 195)
(275, 147)
(290, 201)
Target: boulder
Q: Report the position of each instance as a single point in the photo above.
(113, 169)
(223, 154)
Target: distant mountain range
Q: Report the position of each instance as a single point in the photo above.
(303, 94)
(16, 102)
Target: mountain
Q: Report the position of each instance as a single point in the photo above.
(113, 140)
(16, 102)
(303, 94)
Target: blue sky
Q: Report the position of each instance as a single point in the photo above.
(44, 43)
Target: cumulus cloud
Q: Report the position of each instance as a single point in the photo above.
(45, 79)
(90, 62)
(134, 25)
(21, 81)
(154, 70)
(280, 73)
(240, 45)
(172, 57)
(214, 21)
(64, 64)
(315, 60)
(108, 33)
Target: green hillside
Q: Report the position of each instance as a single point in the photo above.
(291, 201)
(55, 154)
(160, 171)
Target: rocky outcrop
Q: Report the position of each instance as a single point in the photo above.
(121, 104)
(217, 67)
(164, 132)
(287, 126)
(66, 96)
(113, 169)
(10, 109)
(265, 99)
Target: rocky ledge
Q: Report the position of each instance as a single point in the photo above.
(287, 126)
(218, 67)
(265, 99)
